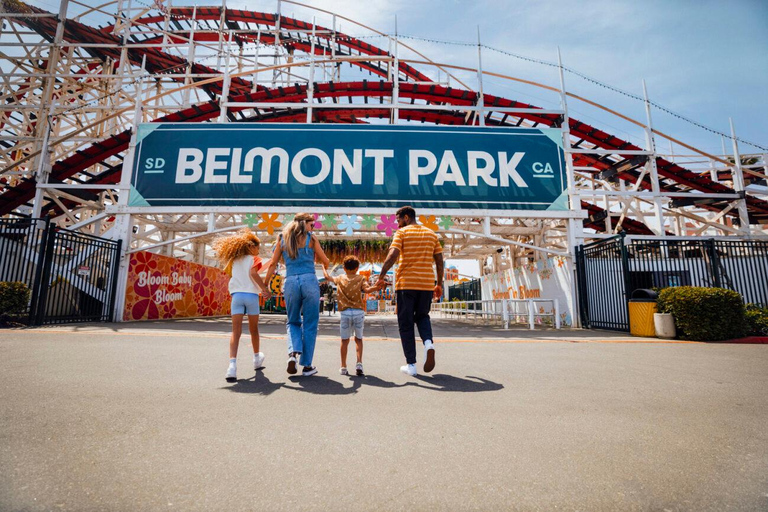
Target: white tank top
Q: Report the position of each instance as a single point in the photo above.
(241, 275)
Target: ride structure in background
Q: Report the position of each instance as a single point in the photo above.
(78, 84)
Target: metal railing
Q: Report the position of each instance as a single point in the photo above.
(505, 312)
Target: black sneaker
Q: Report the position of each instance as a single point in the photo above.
(309, 370)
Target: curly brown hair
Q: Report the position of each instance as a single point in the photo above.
(229, 248)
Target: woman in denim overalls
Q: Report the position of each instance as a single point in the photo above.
(301, 289)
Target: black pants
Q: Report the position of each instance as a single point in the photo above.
(413, 308)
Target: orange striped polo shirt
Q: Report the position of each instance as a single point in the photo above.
(417, 245)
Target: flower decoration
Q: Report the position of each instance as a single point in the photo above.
(143, 262)
(318, 224)
(270, 222)
(276, 284)
(369, 222)
(209, 304)
(200, 283)
(329, 220)
(445, 222)
(429, 222)
(250, 220)
(388, 224)
(349, 224)
(169, 309)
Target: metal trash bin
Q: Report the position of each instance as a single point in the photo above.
(642, 306)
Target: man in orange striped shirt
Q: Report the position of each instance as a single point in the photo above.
(414, 248)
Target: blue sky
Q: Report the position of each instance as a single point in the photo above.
(707, 60)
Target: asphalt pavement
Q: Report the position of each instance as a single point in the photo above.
(138, 416)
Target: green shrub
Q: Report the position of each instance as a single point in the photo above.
(757, 320)
(704, 314)
(14, 298)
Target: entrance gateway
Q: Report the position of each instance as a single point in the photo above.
(185, 64)
(359, 173)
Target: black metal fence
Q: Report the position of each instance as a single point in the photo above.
(72, 276)
(610, 270)
(22, 251)
(469, 290)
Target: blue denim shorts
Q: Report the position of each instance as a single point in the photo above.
(245, 303)
(352, 321)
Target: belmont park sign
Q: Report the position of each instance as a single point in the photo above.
(363, 166)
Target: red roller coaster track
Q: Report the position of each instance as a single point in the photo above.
(673, 178)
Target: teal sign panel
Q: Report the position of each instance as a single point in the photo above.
(363, 166)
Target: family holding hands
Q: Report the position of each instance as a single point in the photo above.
(414, 248)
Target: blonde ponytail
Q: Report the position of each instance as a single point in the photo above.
(296, 229)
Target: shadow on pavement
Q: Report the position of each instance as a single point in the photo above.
(319, 385)
(259, 384)
(440, 382)
(325, 386)
(370, 380)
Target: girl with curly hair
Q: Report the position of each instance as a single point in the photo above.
(300, 248)
(239, 255)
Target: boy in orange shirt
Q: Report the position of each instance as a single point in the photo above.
(351, 287)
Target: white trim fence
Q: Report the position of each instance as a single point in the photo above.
(503, 311)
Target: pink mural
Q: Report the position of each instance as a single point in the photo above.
(164, 287)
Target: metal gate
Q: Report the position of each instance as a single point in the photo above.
(602, 285)
(610, 270)
(72, 276)
(470, 290)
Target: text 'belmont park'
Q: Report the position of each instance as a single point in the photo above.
(312, 166)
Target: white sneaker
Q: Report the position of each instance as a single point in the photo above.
(409, 369)
(258, 359)
(343, 371)
(429, 356)
(232, 372)
(359, 369)
(292, 365)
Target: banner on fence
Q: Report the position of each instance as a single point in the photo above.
(543, 279)
(440, 167)
(164, 287)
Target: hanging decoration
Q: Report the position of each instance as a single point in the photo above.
(329, 221)
(250, 220)
(445, 222)
(349, 224)
(270, 222)
(318, 224)
(369, 222)
(367, 251)
(429, 222)
(388, 224)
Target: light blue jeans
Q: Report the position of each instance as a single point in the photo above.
(302, 302)
(352, 322)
